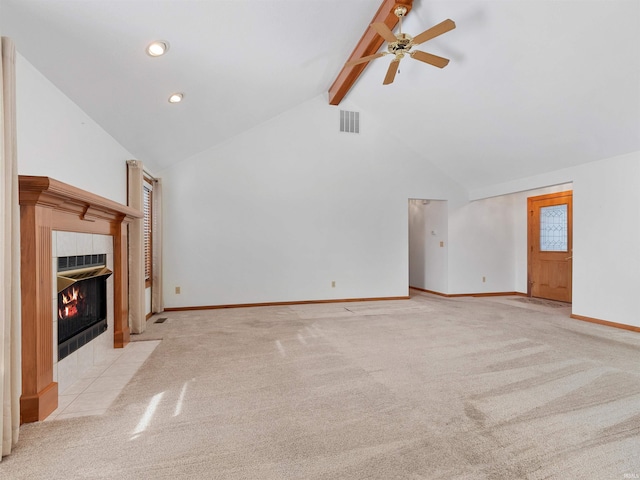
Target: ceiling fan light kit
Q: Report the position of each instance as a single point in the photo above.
(401, 44)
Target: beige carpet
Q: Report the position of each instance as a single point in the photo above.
(427, 388)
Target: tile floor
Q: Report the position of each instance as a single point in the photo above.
(101, 384)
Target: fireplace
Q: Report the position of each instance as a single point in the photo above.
(82, 301)
(50, 212)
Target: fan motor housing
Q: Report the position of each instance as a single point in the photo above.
(402, 45)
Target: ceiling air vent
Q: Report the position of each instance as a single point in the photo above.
(349, 121)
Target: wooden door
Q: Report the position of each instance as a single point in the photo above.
(550, 246)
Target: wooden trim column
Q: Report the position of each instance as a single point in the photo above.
(46, 205)
(39, 391)
(121, 331)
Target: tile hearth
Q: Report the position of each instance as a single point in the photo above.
(99, 386)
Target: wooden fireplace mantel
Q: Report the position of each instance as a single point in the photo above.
(46, 205)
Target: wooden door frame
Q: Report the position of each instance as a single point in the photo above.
(531, 233)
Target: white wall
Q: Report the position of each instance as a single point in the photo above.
(481, 244)
(428, 226)
(281, 211)
(57, 139)
(147, 301)
(606, 240)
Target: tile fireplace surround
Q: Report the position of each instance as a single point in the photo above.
(71, 368)
(48, 208)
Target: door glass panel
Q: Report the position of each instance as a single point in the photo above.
(553, 228)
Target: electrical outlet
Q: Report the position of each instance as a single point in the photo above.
(484, 279)
(333, 284)
(177, 290)
(442, 244)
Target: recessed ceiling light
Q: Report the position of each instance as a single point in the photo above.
(157, 48)
(176, 98)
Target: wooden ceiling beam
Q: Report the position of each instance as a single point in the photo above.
(369, 44)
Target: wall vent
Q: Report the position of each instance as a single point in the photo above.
(81, 261)
(349, 121)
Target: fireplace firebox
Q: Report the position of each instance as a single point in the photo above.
(82, 301)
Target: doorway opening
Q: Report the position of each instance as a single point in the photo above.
(428, 239)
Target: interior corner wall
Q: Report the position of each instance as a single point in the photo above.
(428, 241)
(58, 140)
(281, 211)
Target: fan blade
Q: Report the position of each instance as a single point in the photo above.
(364, 59)
(429, 58)
(384, 32)
(442, 27)
(391, 72)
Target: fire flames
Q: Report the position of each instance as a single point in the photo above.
(69, 307)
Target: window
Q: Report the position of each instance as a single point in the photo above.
(147, 192)
(553, 228)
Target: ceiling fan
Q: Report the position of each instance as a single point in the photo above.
(400, 44)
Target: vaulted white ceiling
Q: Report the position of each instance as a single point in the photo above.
(532, 85)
